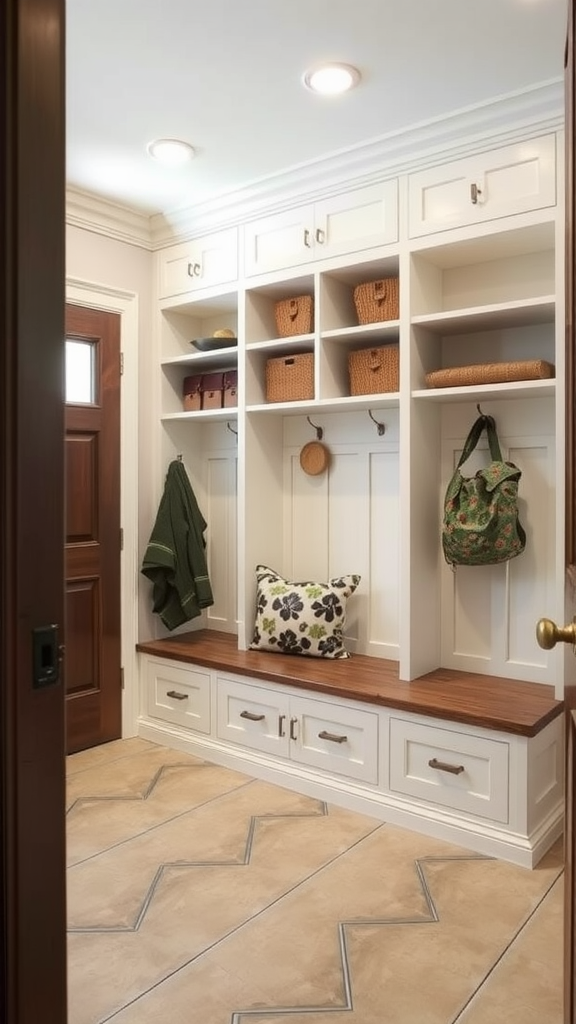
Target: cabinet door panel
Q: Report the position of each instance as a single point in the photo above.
(252, 716)
(335, 739)
(514, 179)
(200, 263)
(357, 220)
(284, 240)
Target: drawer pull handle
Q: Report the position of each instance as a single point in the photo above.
(252, 717)
(177, 696)
(332, 736)
(475, 191)
(307, 241)
(281, 720)
(454, 769)
(293, 735)
(320, 236)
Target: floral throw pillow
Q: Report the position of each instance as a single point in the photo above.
(301, 618)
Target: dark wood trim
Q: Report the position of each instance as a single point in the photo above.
(488, 702)
(32, 837)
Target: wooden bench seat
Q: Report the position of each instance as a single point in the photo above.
(490, 702)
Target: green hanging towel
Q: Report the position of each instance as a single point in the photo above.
(175, 559)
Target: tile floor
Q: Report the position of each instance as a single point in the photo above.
(198, 895)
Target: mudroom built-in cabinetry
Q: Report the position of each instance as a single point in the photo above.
(477, 247)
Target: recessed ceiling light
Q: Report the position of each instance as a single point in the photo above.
(331, 79)
(172, 152)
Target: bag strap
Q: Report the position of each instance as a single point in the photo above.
(482, 423)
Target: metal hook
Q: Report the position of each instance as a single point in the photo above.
(381, 426)
(231, 429)
(179, 457)
(479, 409)
(319, 430)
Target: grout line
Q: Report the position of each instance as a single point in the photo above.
(506, 949)
(244, 924)
(160, 824)
(113, 760)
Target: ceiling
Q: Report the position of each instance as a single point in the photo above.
(226, 76)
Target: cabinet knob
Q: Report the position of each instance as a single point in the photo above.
(548, 634)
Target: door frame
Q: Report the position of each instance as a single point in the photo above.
(125, 303)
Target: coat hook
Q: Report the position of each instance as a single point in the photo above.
(179, 457)
(480, 413)
(381, 426)
(319, 430)
(231, 429)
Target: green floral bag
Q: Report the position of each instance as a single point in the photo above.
(481, 525)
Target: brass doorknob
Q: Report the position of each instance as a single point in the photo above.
(548, 634)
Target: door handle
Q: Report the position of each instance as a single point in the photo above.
(475, 191)
(281, 720)
(293, 722)
(332, 736)
(307, 242)
(548, 634)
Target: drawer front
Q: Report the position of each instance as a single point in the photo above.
(200, 263)
(179, 695)
(464, 772)
(335, 739)
(514, 179)
(252, 716)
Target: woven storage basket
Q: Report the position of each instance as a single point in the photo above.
(290, 378)
(377, 300)
(374, 370)
(294, 316)
(490, 373)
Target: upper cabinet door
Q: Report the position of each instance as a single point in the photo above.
(514, 179)
(362, 219)
(346, 223)
(200, 263)
(280, 241)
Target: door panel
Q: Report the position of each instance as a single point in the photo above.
(92, 555)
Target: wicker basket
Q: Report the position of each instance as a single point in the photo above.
(374, 370)
(294, 316)
(376, 301)
(490, 373)
(290, 378)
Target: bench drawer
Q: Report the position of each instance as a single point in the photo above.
(335, 738)
(456, 770)
(252, 716)
(179, 695)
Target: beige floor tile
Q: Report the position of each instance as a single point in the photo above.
(96, 825)
(95, 757)
(525, 986)
(124, 777)
(191, 907)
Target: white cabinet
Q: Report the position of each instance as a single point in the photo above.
(177, 694)
(346, 223)
(513, 179)
(199, 263)
(328, 736)
(455, 769)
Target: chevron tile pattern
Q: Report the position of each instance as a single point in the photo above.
(198, 895)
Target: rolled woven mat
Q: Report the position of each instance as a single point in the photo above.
(490, 373)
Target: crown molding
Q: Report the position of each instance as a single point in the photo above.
(505, 119)
(101, 216)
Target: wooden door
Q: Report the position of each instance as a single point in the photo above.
(570, 693)
(32, 835)
(92, 562)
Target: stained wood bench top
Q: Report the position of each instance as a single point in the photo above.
(491, 702)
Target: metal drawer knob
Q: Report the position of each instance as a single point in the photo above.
(251, 717)
(442, 766)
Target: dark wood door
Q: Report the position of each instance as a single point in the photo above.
(570, 695)
(32, 835)
(92, 563)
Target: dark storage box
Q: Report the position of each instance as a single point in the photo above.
(192, 393)
(212, 390)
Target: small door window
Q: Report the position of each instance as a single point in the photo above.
(80, 372)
